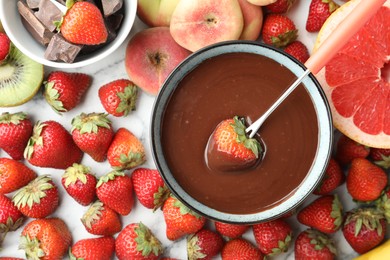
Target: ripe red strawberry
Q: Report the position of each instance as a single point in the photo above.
(278, 30)
(280, 6)
(323, 214)
(273, 237)
(14, 175)
(180, 220)
(364, 229)
(229, 147)
(312, 244)
(348, 149)
(230, 230)
(204, 244)
(47, 238)
(10, 217)
(149, 188)
(93, 134)
(80, 183)
(5, 46)
(48, 145)
(319, 11)
(64, 90)
(119, 97)
(38, 199)
(242, 249)
(333, 178)
(101, 220)
(115, 190)
(101, 248)
(126, 150)
(15, 130)
(10, 258)
(136, 241)
(365, 181)
(298, 50)
(83, 23)
(381, 157)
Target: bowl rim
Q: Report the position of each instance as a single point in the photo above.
(325, 135)
(88, 59)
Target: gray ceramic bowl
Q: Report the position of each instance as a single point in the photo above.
(325, 134)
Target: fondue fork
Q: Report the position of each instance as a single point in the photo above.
(335, 41)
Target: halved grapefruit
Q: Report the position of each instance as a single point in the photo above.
(357, 80)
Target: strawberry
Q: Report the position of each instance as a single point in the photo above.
(101, 248)
(383, 204)
(126, 150)
(365, 180)
(83, 23)
(10, 258)
(347, 149)
(5, 46)
(312, 244)
(14, 175)
(242, 249)
(323, 214)
(381, 157)
(230, 230)
(48, 145)
(279, 7)
(64, 90)
(278, 30)
(119, 97)
(180, 220)
(204, 244)
(298, 50)
(115, 190)
(149, 188)
(47, 238)
(364, 229)
(101, 220)
(38, 199)
(273, 237)
(80, 183)
(15, 130)
(319, 11)
(136, 241)
(10, 217)
(229, 147)
(333, 178)
(93, 134)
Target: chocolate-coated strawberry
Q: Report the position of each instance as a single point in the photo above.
(64, 90)
(52, 146)
(348, 149)
(319, 11)
(332, 179)
(10, 217)
(115, 190)
(278, 30)
(381, 157)
(101, 248)
(136, 241)
(204, 244)
(149, 188)
(80, 183)
(313, 244)
(242, 249)
(230, 230)
(323, 214)
(15, 130)
(14, 175)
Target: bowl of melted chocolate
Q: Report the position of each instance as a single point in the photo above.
(241, 78)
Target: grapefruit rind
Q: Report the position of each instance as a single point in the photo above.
(345, 124)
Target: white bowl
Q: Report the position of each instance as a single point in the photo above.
(23, 40)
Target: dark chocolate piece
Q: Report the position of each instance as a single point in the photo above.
(61, 50)
(33, 25)
(61, 2)
(111, 6)
(114, 21)
(33, 4)
(48, 13)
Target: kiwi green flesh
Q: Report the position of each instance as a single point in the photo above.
(20, 78)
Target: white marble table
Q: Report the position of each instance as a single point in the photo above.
(138, 122)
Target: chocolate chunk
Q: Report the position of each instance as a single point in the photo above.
(33, 4)
(111, 6)
(48, 13)
(33, 25)
(61, 50)
(114, 21)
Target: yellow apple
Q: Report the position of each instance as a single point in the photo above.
(156, 12)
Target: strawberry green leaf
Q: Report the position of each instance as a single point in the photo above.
(147, 243)
(32, 247)
(109, 177)
(35, 139)
(250, 143)
(128, 99)
(77, 172)
(93, 214)
(90, 123)
(194, 250)
(130, 160)
(7, 118)
(52, 97)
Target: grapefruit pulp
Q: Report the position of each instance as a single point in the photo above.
(357, 80)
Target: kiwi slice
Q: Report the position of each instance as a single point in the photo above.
(20, 78)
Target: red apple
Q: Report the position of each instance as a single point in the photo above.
(253, 20)
(151, 55)
(156, 12)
